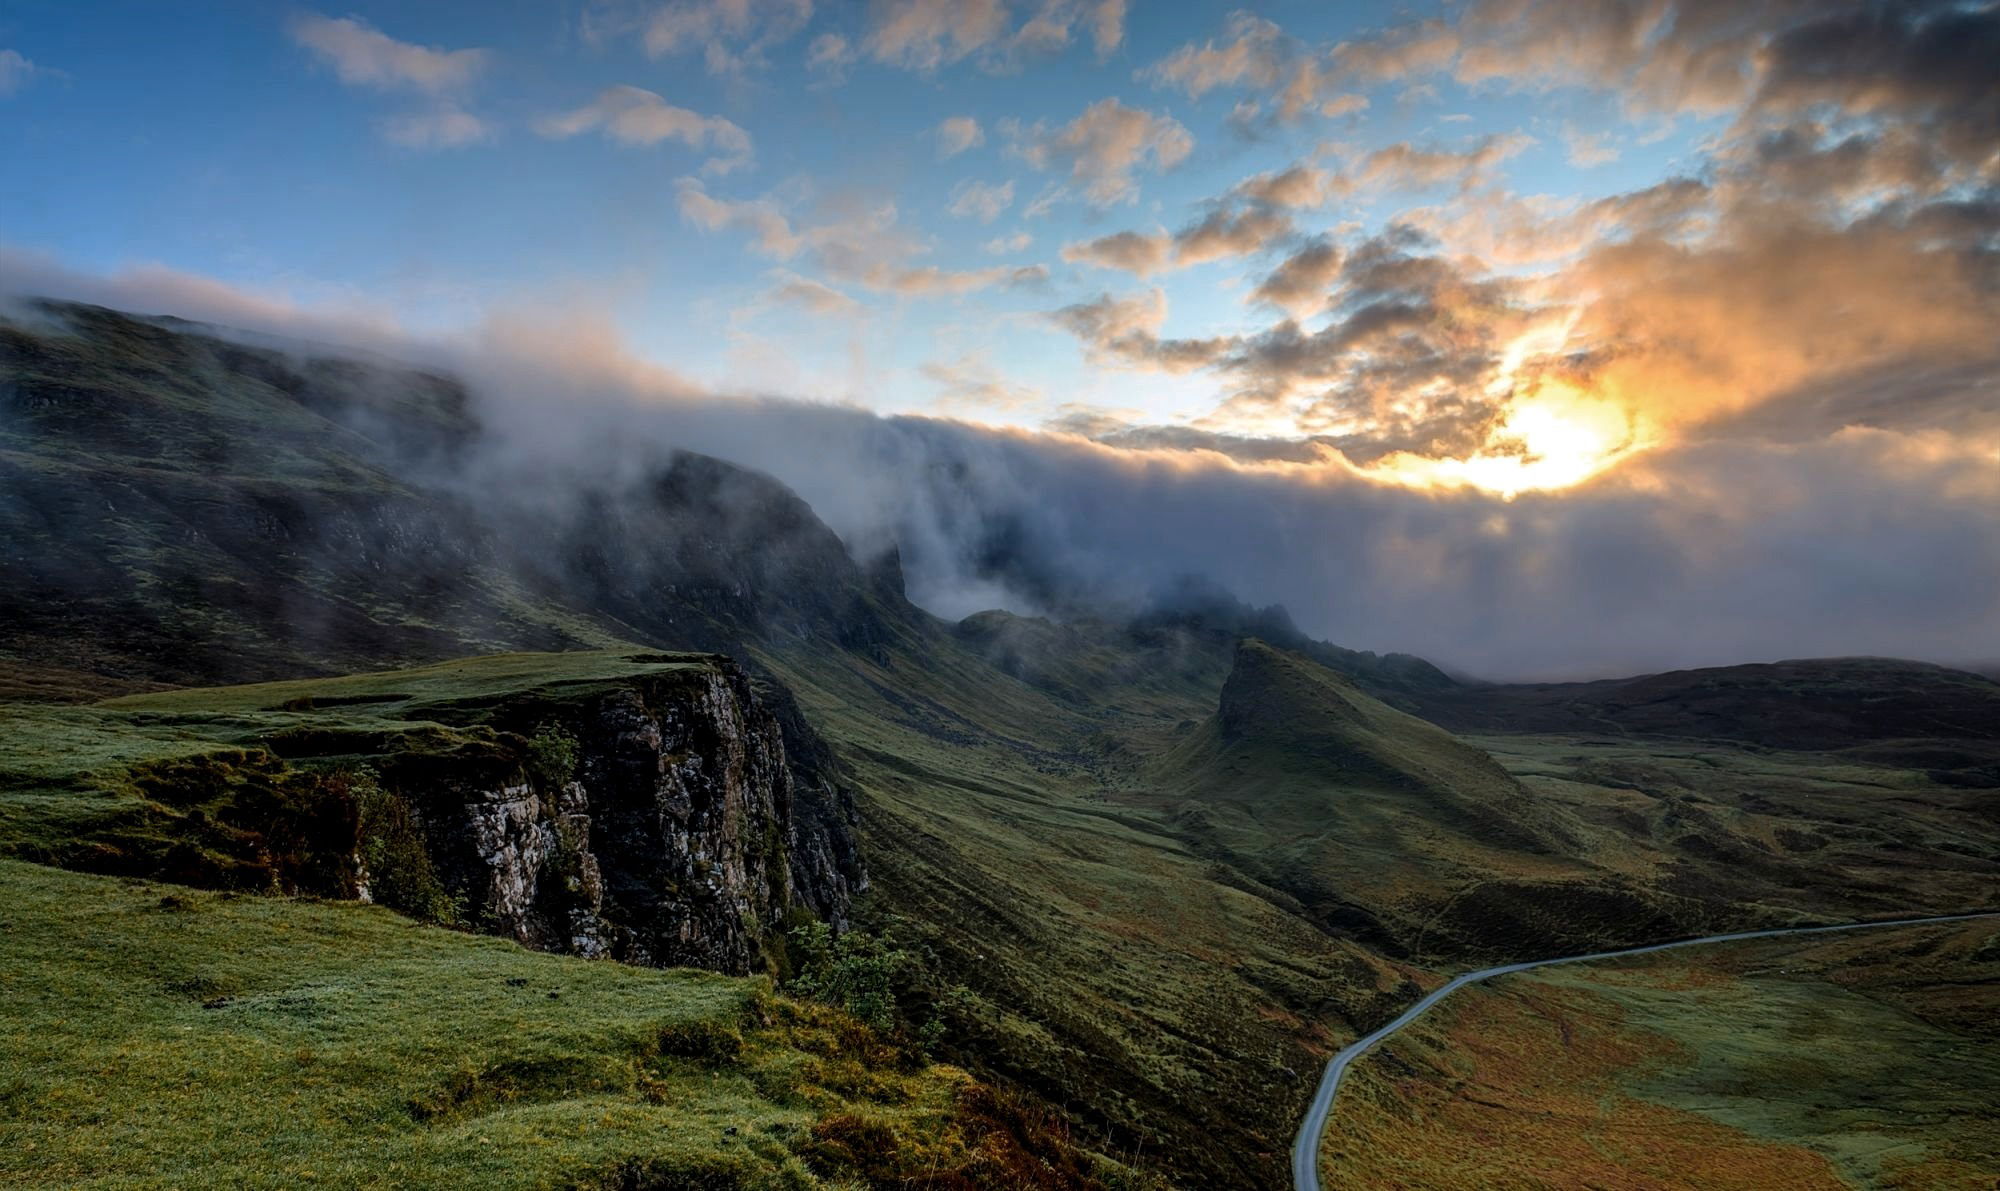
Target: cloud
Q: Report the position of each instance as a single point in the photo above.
(1124, 332)
(363, 57)
(1817, 536)
(956, 134)
(1220, 234)
(857, 242)
(1107, 25)
(1302, 285)
(732, 36)
(443, 128)
(149, 288)
(1225, 233)
(929, 280)
(811, 295)
(1399, 166)
(1006, 245)
(1405, 166)
(980, 200)
(1104, 147)
(634, 116)
(1599, 580)
(924, 35)
(770, 231)
(830, 53)
(1297, 186)
(1347, 104)
(15, 72)
(1255, 54)
(970, 383)
(1138, 253)
(1588, 150)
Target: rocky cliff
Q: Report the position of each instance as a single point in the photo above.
(656, 819)
(663, 809)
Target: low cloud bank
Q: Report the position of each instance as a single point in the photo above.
(1842, 538)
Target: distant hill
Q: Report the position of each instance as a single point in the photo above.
(1375, 821)
(1819, 703)
(178, 507)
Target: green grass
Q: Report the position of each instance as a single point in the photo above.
(1171, 1004)
(1130, 892)
(410, 693)
(118, 786)
(154, 1036)
(1777, 833)
(1854, 1060)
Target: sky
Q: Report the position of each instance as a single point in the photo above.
(1482, 319)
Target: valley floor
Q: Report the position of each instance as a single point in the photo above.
(1828, 1062)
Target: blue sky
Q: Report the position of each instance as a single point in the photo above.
(1536, 334)
(215, 139)
(1505, 243)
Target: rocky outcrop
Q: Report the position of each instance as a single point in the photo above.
(672, 828)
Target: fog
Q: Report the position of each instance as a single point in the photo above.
(1758, 546)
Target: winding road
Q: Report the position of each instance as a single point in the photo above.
(1305, 1151)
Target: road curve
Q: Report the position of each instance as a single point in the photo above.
(1305, 1151)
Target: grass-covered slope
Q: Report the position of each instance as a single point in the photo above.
(1379, 824)
(1168, 1002)
(1172, 898)
(1816, 704)
(153, 1036)
(1869, 1059)
(1767, 833)
(211, 784)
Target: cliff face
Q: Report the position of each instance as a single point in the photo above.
(676, 831)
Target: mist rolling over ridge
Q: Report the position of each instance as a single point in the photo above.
(1000, 595)
(1609, 577)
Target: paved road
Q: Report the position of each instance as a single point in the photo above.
(1305, 1151)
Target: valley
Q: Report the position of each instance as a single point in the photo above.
(287, 628)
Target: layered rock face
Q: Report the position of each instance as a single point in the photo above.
(683, 835)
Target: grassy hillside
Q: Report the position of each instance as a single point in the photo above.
(1773, 832)
(1122, 880)
(1862, 1060)
(1384, 826)
(153, 1036)
(203, 781)
(1165, 1001)
(1169, 877)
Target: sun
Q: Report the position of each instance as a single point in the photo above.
(1557, 437)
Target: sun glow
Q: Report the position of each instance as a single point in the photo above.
(1557, 437)
(1553, 433)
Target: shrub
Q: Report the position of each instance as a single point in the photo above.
(400, 873)
(892, 990)
(552, 755)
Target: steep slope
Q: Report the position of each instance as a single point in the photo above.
(164, 490)
(1383, 826)
(1170, 1004)
(154, 1036)
(622, 804)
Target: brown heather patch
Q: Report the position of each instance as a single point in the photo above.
(1935, 1174)
(1520, 1090)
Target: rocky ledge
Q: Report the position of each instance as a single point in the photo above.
(656, 819)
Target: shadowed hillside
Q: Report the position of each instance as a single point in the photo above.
(1383, 825)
